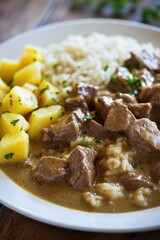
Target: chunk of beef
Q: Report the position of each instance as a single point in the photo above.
(140, 110)
(65, 130)
(119, 117)
(155, 172)
(151, 94)
(145, 136)
(143, 59)
(51, 169)
(89, 92)
(127, 98)
(81, 168)
(133, 181)
(95, 129)
(76, 102)
(146, 77)
(118, 82)
(157, 78)
(103, 106)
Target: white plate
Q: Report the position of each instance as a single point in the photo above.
(25, 203)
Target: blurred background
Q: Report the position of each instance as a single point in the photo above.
(20, 15)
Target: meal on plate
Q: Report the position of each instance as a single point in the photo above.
(79, 122)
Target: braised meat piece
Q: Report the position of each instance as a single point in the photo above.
(155, 172)
(103, 106)
(81, 168)
(127, 98)
(95, 129)
(133, 181)
(118, 82)
(145, 76)
(143, 59)
(145, 136)
(51, 169)
(65, 130)
(72, 103)
(119, 117)
(89, 92)
(151, 94)
(140, 110)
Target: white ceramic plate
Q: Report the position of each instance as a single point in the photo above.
(25, 203)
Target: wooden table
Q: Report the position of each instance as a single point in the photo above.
(17, 16)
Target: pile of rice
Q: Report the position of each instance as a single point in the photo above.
(92, 59)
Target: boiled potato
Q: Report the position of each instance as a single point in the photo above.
(30, 54)
(31, 74)
(42, 118)
(48, 94)
(7, 69)
(30, 87)
(12, 122)
(2, 95)
(19, 100)
(14, 147)
(3, 86)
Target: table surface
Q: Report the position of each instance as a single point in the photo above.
(17, 16)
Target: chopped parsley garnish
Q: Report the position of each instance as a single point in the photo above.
(105, 68)
(55, 100)
(46, 78)
(8, 156)
(113, 80)
(64, 81)
(134, 82)
(20, 100)
(88, 118)
(96, 140)
(14, 121)
(86, 143)
(44, 89)
(55, 65)
(136, 164)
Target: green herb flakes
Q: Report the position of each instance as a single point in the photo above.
(14, 121)
(44, 89)
(113, 80)
(88, 118)
(8, 156)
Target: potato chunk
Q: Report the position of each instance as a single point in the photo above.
(48, 94)
(12, 122)
(7, 69)
(30, 54)
(14, 147)
(30, 87)
(31, 74)
(42, 118)
(19, 100)
(2, 95)
(3, 86)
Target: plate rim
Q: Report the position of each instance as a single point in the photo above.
(34, 216)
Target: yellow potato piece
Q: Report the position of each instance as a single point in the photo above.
(2, 94)
(31, 74)
(42, 118)
(7, 69)
(48, 94)
(30, 54)
(11, 123)
(30, 87)
(14, 148)
(19, 100)
(3, 86)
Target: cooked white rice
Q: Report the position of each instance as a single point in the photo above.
(84, 58)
